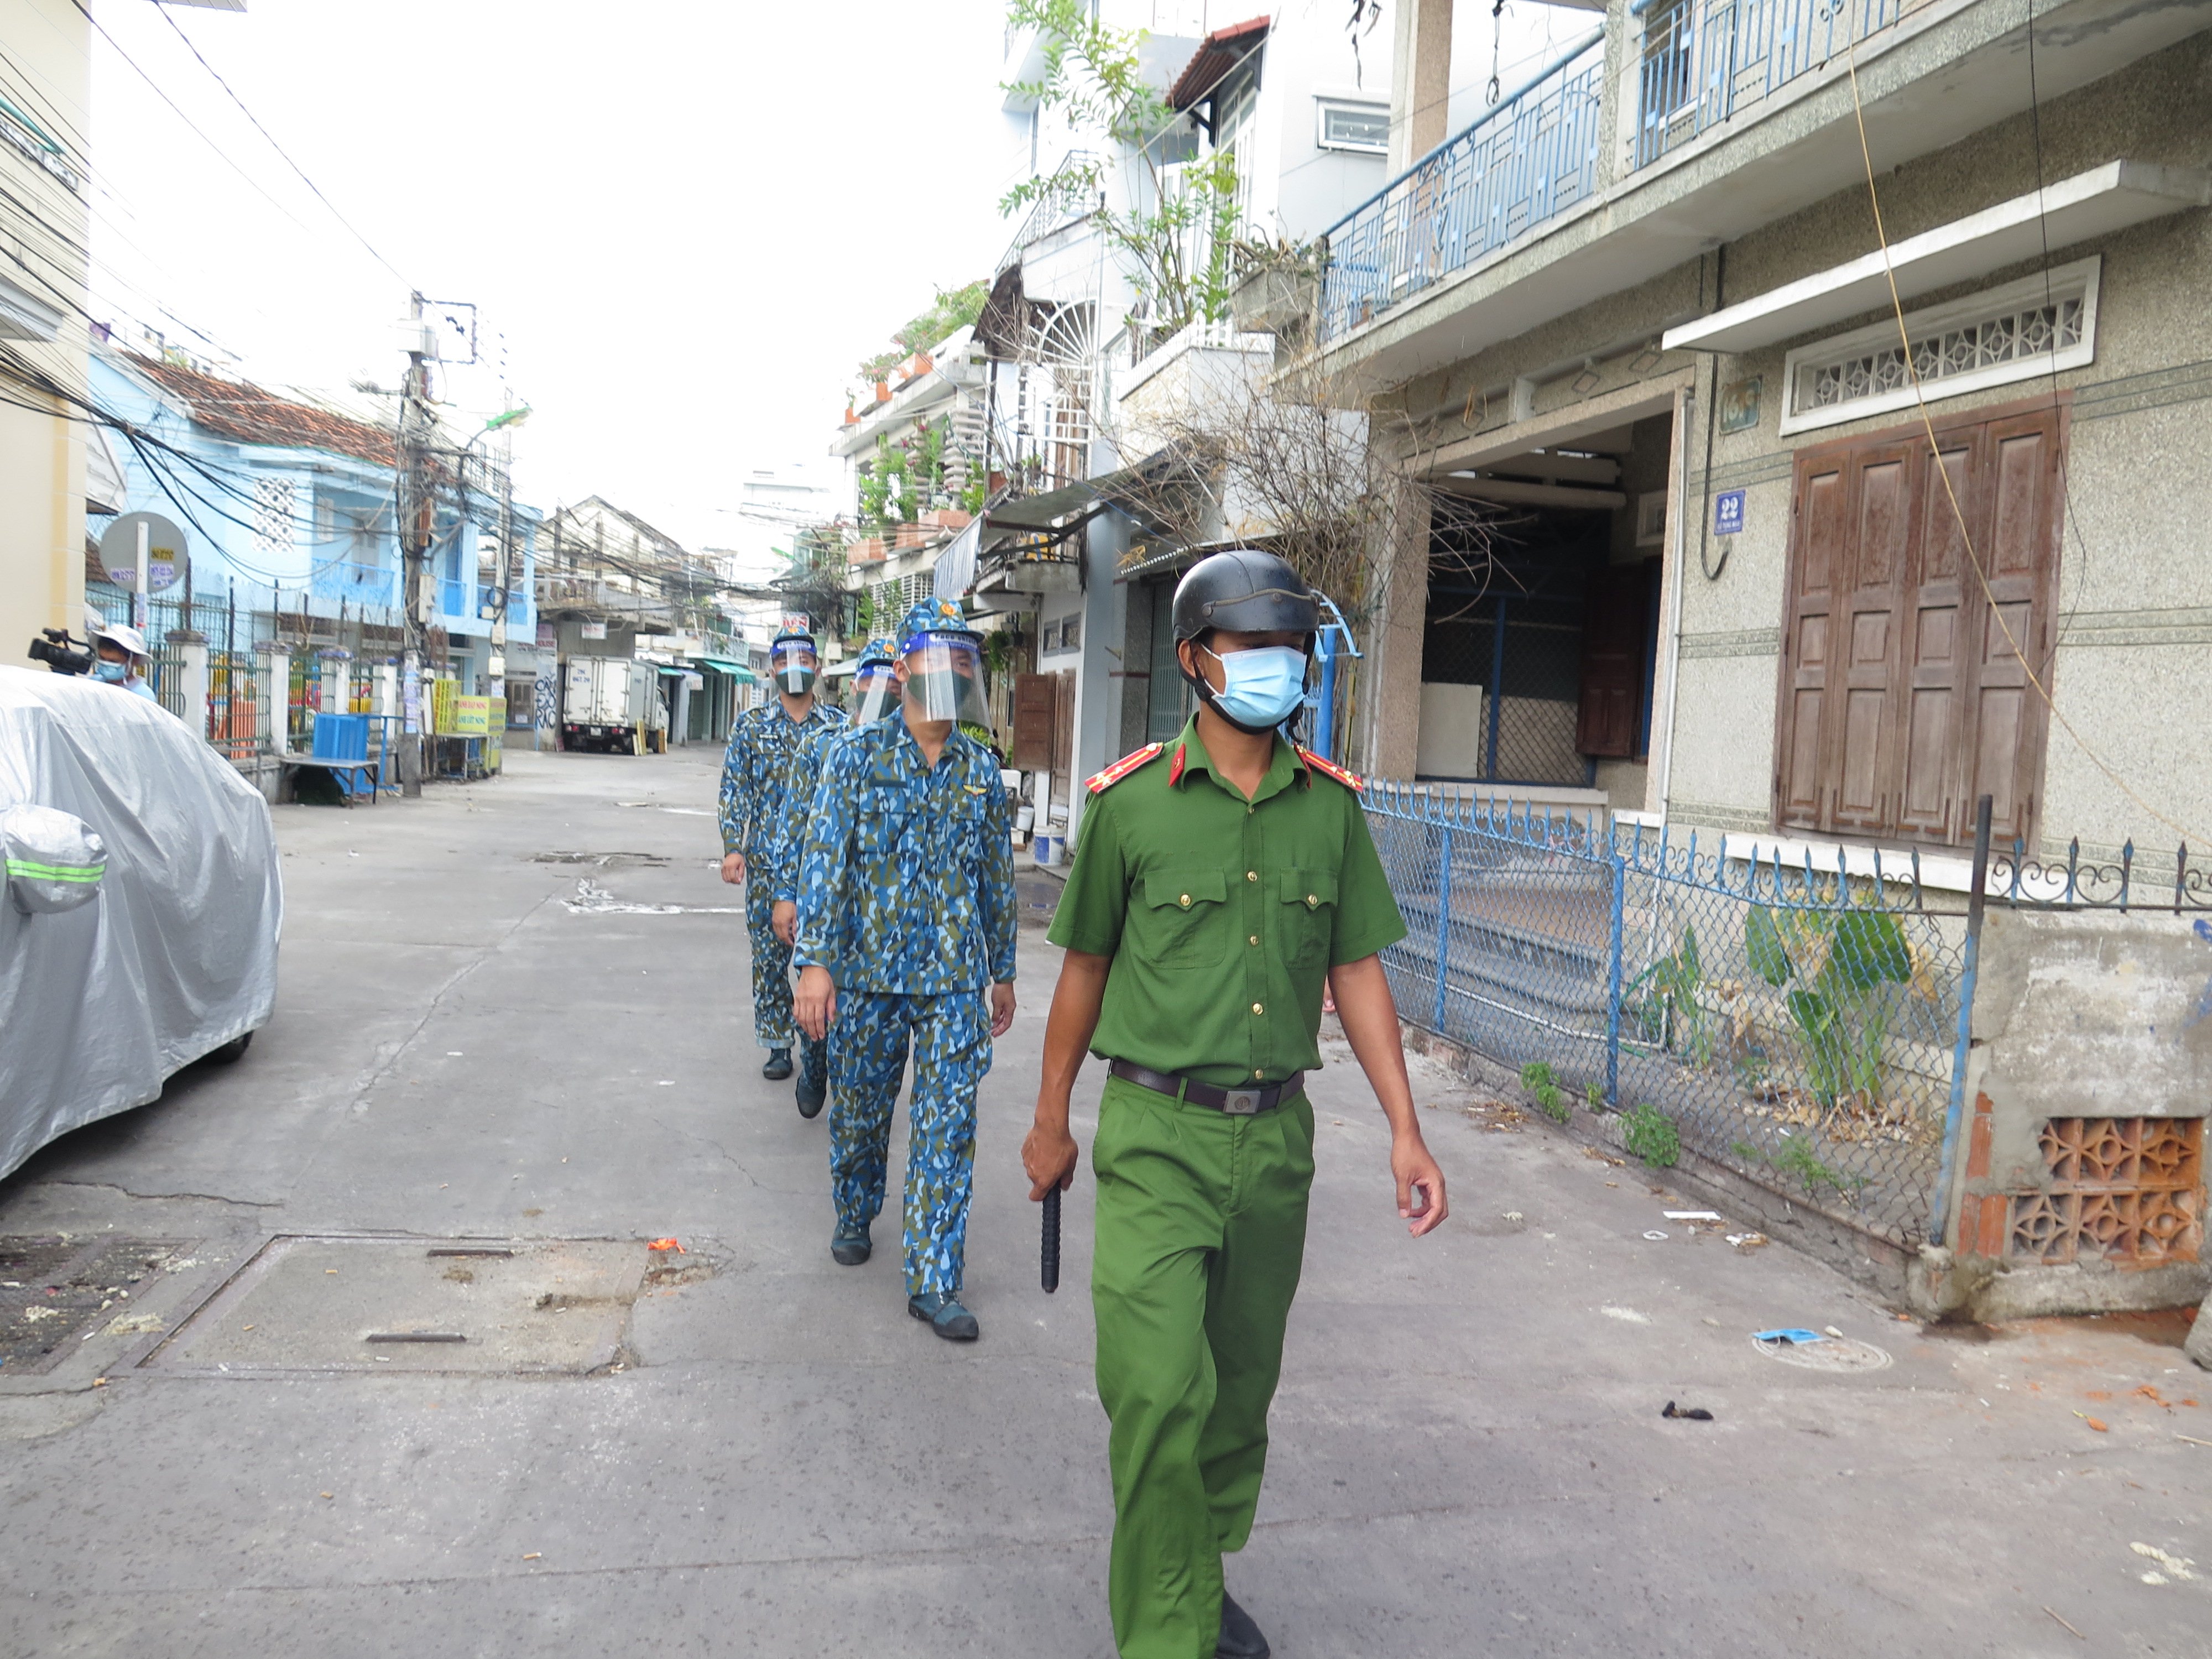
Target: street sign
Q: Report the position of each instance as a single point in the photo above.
(1727, 513)
(164, 545)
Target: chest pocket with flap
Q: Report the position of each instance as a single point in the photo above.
(1186, 917)
(1307, 914)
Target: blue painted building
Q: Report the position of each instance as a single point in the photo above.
(290, 512)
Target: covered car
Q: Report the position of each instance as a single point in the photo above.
(139, 922)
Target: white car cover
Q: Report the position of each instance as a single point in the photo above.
(139, 924)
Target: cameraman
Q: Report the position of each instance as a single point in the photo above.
(122, 657)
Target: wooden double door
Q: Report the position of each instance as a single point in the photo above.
(1917, 624)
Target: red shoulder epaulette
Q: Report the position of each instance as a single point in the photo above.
(1351, 780)
(1121, 768)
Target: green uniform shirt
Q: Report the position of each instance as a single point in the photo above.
(1222, 916)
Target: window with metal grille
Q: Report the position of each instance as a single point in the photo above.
(2034, 326)
(272, 518)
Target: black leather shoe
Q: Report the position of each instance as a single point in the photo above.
(851, 1249)
(778, 1066)
(1240, 1636)
(946, 1315)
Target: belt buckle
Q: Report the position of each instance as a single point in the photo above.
(1240, 1102)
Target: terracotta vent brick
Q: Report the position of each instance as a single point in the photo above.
(2127, 1190)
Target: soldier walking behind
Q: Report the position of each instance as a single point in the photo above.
(906, 914)
(875, 695)
(758, 802)
(1222, 880)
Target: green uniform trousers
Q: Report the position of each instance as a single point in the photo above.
(1201, 1232)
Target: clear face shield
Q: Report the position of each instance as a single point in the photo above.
(875, 693)
(791, 665)
(945, 680)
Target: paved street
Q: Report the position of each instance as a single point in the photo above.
(774, 1460)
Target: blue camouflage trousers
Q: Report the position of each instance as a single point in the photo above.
(774, 1027)
(951, 1040)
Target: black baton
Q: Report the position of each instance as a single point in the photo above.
(1048, 1257)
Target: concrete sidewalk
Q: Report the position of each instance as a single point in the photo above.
(1469, 1457)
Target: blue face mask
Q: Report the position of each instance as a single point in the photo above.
(1265, 685)
(113, 673)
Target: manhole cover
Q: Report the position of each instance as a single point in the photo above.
(601, 860)
(1828, 1353)
(413, 1304)
(54, 1290)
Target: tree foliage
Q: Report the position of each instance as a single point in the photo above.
(1179, 228)
(952, 310)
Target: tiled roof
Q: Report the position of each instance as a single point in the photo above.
(239, 410)
(1216, 56)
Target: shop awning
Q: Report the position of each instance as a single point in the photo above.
(2089, 204)
(738, 672)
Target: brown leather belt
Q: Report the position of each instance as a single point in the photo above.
(1237, 1103)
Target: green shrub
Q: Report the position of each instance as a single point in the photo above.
(1651, 1135)
(1553, 1103)
(1536, 1075)
(1796, 1159)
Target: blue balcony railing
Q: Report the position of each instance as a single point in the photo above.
(1529, 158)
(1703, 61)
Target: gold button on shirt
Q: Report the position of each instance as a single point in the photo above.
(1174, 864)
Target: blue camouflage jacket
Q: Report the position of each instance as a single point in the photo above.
(907, 881)
(757, 796)
(813, 753)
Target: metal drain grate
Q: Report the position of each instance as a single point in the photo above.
(54, 1292)
(324, 1304)
(1827, 1353)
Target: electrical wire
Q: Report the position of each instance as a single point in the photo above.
(222, 153)
(193, 48)
(1935, 454)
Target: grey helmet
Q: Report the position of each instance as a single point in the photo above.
(1244, 590)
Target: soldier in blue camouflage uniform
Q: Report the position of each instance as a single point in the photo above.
(906, 914)
(758, 805)
(875, 695)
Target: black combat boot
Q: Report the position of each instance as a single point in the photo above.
(813, 1086)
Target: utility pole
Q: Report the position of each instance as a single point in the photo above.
(417, 520)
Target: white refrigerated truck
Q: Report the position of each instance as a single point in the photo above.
(613, 704)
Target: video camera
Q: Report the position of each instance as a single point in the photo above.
(55, 649)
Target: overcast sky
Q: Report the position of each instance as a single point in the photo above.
(685, 220)
(688, 219)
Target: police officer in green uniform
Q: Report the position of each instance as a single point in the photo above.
(1222, 881)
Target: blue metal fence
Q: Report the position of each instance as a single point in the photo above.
(1800, 1027)
(1531, 157)
(1703, 60)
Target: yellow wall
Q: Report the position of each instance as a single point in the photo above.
(42, 520)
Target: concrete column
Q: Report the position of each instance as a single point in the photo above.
(680, 720)
(1097, 690)
(1394, 671)
(276, 689)
(1420, 80)
(387, 688)
(1659, 772)
(193, 672)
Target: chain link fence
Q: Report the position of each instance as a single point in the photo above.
(1800, 1028)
